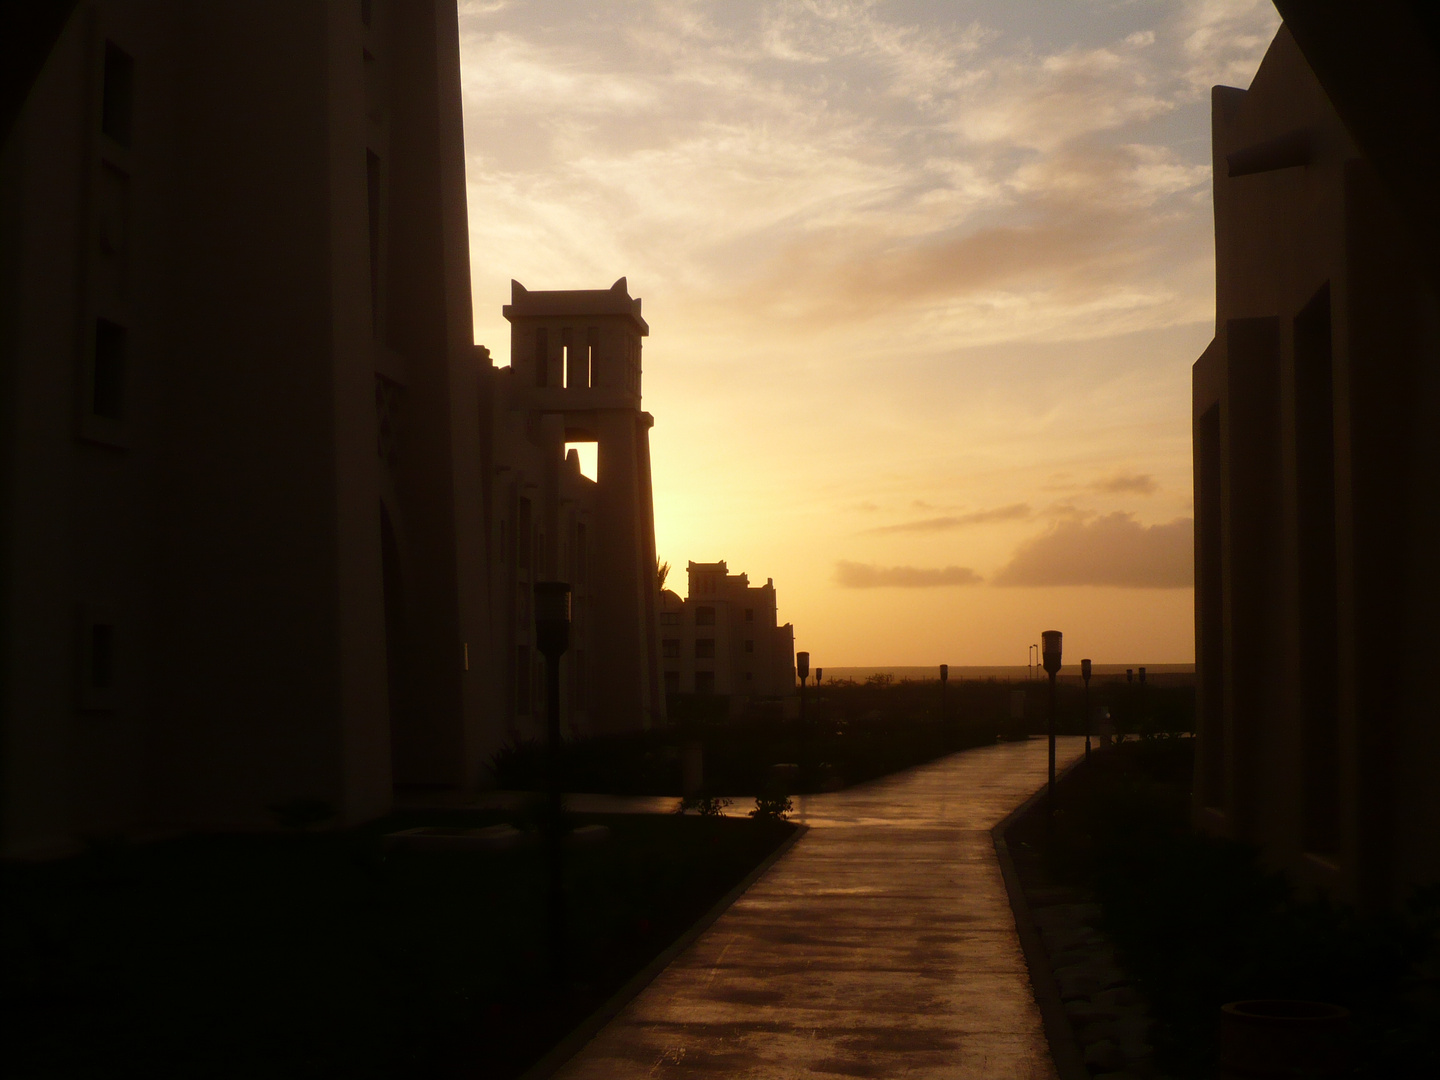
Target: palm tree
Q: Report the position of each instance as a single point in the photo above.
(662, 571)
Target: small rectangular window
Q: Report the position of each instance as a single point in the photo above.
(749, 646)
(522, 680)
(705, 616)
(669, 618)
(102, 656)
(704, 648)
(107, 398)
(542, 355)
(372, 197)
(523, 539)
(670, 648)
(117, 101)
(749, 614)
(672, 682)
(704, 682)
(366, 11)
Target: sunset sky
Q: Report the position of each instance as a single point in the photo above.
(924, 283)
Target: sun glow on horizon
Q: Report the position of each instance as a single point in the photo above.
(924, 292)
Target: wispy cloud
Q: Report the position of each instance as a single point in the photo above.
(1013, 512)
(853, 575)
(1127, 483)
(1111, 550)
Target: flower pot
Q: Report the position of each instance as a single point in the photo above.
(1270, 1039)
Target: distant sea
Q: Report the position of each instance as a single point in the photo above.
(1016, 672)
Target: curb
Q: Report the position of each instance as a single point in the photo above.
(1064, 1050)
(587, 1029)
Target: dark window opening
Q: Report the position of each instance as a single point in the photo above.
(523, 678)
(704, 648)
(704, 682)
(1315, 506)
(108, 390)
(749, 646)
(749, 614)
(366, 7)
(670, 648)
(118, 95)
(672, 682)
(522, 535)
(1210, 602)
(102, 656)
(372, 195)
(542, 355)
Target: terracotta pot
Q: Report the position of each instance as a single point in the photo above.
(1269, 1039)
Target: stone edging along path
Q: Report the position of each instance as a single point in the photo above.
(1096, 1022)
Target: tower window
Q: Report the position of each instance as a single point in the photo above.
(542, 355)
(118, 94)
(108, 390)
(102, 656)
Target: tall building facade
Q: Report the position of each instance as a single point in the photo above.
(725, 638)
(1316, 415)
(255, 476)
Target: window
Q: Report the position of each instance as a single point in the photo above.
(672, 682)
(749, 614)
(669, 618)
(118, 95)
(107, 396)
(670, 648)
(542, 355)
(704, 682)
(522, 680)
(522, 534)
(749, 646)
(705, 616)
(704, 648)
(365, 6)
(372, 195)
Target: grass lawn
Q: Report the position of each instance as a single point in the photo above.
(319, 954)
(1200, 922)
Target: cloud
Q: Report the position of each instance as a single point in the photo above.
(1111, 550)
(1127, 483)
(852, 575)
(1013, 512)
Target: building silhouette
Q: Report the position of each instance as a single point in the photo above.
(269, 514)
(1316, 418)
(725, 639)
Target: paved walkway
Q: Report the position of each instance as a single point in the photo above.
(881, 945)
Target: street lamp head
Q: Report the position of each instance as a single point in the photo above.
(552, 617)
(802, 665)
(944, 673)
(1085, 671)
(818, 672)
(1050, 650)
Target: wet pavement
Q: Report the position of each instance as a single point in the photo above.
(881, 945)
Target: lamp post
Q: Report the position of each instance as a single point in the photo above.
(1085, 674)
(1051, 656)
(944, 678)
(552, 638)
(802, 668)
(1032, 662)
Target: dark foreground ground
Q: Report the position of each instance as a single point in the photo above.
(320, 954)
(1197, 922)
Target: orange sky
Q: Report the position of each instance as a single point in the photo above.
(924, 282)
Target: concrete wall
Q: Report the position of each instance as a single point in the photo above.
(1311, 408)
(224, 523)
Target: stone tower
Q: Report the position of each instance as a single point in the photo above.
(575, 357)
